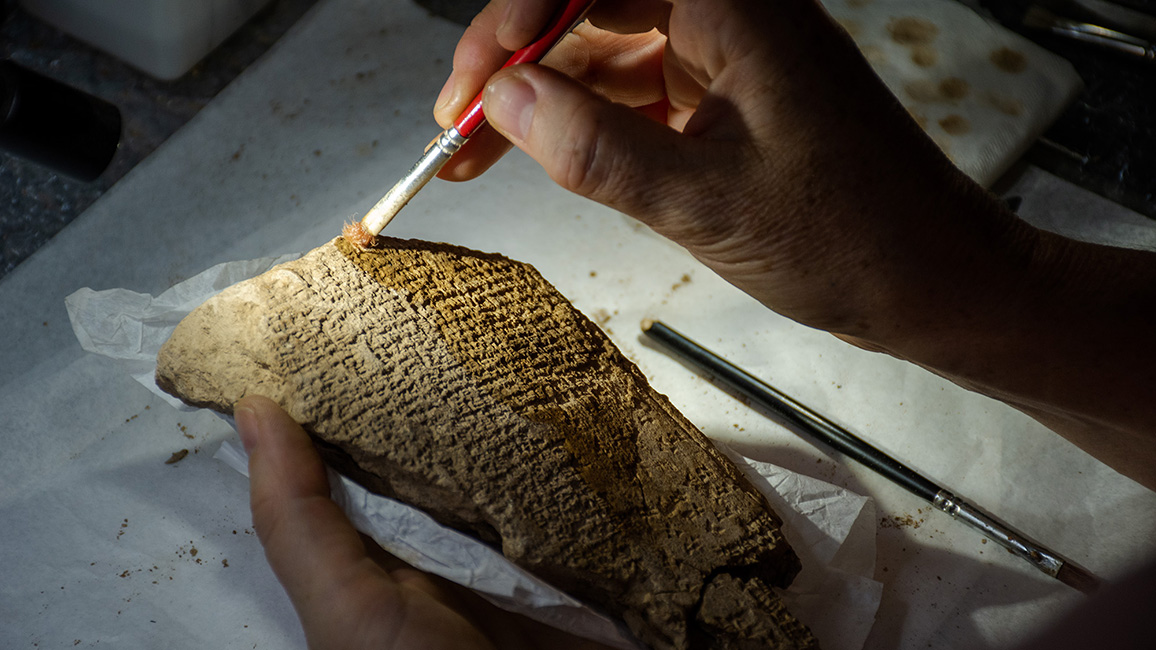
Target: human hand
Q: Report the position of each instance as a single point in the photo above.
(752, 133)
(349, 593)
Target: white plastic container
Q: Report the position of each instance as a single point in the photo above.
(164, 38)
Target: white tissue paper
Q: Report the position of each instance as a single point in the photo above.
(831, 529)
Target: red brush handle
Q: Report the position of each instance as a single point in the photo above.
(565, 20)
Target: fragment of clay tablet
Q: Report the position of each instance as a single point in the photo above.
(464, 384)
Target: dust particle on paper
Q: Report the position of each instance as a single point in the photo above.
(900, 521)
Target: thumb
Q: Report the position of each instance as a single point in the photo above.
(307, 538)
(601, 150)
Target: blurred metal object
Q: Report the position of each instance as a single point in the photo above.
(1107, 14)
(802, 420)
(1038, 17)
(51, 124)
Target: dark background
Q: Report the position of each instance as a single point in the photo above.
(1105, 141)
(35, 202)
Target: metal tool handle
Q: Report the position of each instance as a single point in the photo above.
(423, 171)
(792, 414)
(803, 420)
(999, 532)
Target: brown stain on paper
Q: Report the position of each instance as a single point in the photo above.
(955, 125)
(924, 56)
(910, 30)
(954, 89)
(950, 90)
(917, 34)
(1009, 60)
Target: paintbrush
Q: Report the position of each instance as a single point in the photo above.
(803, 420)
(451, 140)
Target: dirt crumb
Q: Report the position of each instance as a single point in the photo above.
(900, 521)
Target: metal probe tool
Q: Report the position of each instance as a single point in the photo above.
(803, 420)
(452, 139)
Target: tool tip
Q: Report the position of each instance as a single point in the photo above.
(356, 233)
(1078, 578)
(646, 324)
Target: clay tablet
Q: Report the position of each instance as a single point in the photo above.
(464, 384)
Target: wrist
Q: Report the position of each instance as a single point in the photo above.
(959, 260)
(1057, 328)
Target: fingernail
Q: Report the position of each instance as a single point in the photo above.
(445, 95)
(248, 426)
(509, 105)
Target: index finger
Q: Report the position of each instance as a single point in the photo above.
(504, 26)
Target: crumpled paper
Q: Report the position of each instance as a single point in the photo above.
(831, 529)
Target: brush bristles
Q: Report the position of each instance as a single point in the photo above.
(355, 233)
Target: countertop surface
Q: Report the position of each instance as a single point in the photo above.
(107, 545)
(36, 202)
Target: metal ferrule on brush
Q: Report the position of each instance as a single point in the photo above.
(999, 532)
(422, 172)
